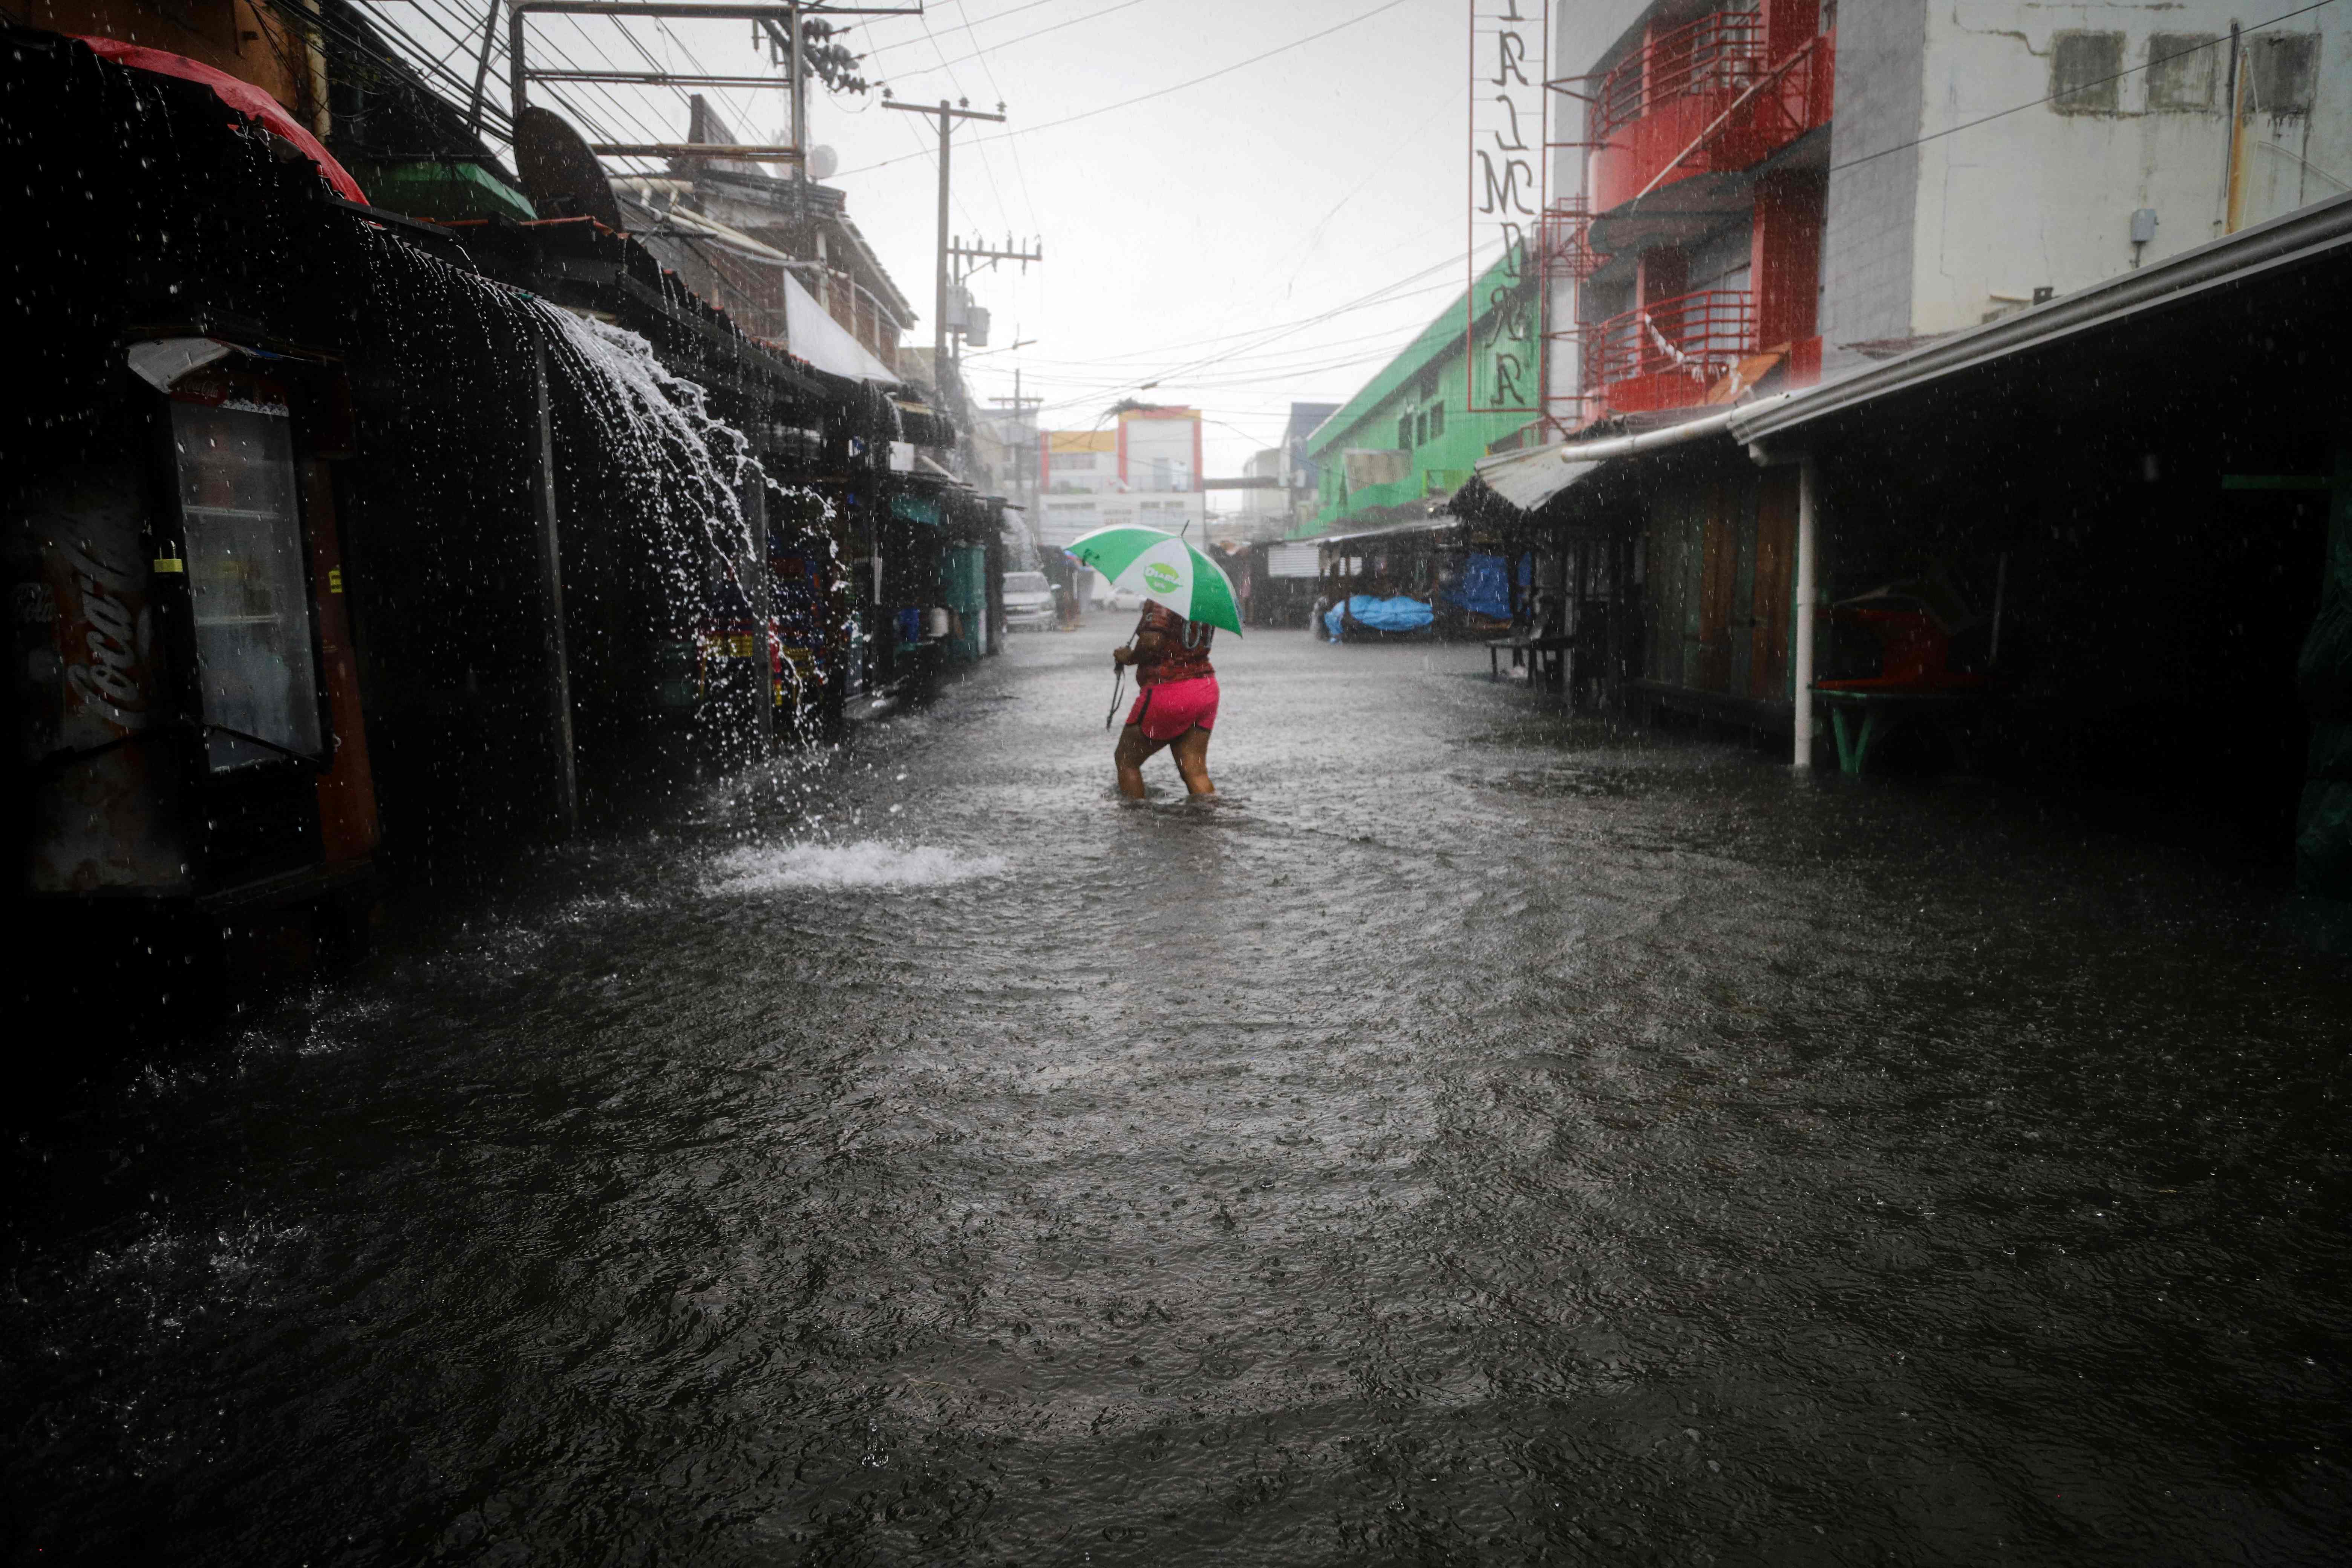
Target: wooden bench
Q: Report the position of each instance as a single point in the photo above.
(1882, 709)
(1549, 655)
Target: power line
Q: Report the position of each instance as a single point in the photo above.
(991, 17)
(987, 169)
(946, 64)
(1379, 296)
(1164, 92)
(996, 87)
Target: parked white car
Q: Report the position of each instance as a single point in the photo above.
(1028, 601)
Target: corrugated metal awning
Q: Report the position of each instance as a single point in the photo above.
(1440, 524)
(2305, 235)
(813, 335)
(1527, 480)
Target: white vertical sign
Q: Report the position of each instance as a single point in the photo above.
(1510, 42)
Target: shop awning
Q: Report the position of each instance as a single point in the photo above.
(2302, 236)
(1530, 480)
(1527, 480)
(1431, 525)
(909, 505)
(241, 96)
(813, 335)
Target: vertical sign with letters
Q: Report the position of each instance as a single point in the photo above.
(1510, 43)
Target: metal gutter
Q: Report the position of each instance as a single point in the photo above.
(1664, 435)
(1441, 523)
(2282, 242)
(1532, 481)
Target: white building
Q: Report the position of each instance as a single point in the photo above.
(1834, 182)
(1145, 469)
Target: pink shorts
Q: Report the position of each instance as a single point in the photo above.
(1167, 711)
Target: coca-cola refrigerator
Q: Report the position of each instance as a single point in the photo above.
(191, 734)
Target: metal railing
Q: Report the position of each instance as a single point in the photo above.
(1697, 337)
(1722, 52)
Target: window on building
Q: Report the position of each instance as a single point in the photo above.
(2286, 72)
(1421, 428)
(1074, 462)
(2084, 68)
(1404, 434)
(1436, 420)
(250, 597)
(2181, 70)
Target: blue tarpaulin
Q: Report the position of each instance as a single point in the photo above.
(1397, 614)
(1485, 588)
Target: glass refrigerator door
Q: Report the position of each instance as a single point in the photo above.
(246, 583)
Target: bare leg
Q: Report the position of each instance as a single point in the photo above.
(1192, 753)
(1134, 749)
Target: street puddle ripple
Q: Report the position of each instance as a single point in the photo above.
(867, 863)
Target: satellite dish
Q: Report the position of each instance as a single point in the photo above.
(822, 163)
(559, 175)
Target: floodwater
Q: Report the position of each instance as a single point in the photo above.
(1478, 1139)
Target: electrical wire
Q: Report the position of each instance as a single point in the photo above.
(991, 17)
(1163, 92)
(1020, 173)
(946, 64)
(987, 169)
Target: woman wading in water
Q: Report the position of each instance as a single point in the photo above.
(1177, 705)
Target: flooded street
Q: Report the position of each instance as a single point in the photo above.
(1478, 1137)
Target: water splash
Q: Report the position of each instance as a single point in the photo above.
(867, 863)
(691, 465)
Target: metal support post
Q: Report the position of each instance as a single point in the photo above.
(1808, 593)
(482, 71)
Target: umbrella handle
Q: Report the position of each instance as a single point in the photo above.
(1117, 691)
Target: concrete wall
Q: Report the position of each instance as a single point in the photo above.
(1866, 247)
(2043, 197)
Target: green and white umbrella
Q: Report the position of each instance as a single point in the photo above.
(1161, 567)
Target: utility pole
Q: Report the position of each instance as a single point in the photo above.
(961, 257)
(949, 114)
(1029, 459)
(800, 110)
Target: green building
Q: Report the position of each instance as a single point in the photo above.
(1406, 437)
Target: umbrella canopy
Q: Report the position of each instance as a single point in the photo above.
(1162, 568)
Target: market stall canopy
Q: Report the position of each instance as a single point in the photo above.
(243, 97)
(816, 337)
(1529, 478)
(1442, 523)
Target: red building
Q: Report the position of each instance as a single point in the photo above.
(1695, 248)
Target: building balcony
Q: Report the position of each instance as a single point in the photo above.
(1669, 354)
(1717, 96)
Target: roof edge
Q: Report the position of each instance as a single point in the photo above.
(2283, 241)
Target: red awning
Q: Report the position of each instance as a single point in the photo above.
(241, 96)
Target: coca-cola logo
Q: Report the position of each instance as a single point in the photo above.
(108, 615)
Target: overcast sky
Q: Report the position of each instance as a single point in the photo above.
(1190, 237)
